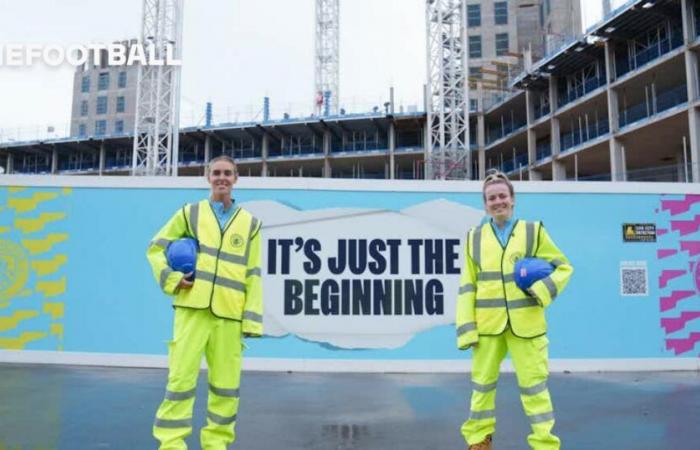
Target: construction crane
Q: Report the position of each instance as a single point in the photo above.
(155, 149)
(327, 57)
(447, 140)
(156, 128)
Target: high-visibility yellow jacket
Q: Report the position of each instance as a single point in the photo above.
(228, 275)
(489, 300)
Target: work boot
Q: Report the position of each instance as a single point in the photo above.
(483, 445)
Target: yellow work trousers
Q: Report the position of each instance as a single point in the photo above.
(196, 332)
(530, 359)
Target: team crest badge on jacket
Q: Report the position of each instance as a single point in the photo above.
(237, 241)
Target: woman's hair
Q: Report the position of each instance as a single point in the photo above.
(497, 177)
(226, 158)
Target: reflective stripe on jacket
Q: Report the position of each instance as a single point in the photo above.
(488, 298)
(228, 274)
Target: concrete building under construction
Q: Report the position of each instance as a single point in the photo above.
(619, 103)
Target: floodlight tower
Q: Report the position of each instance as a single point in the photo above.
(447, 102)
(157, 122)
(327, 56)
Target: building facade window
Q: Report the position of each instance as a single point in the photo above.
(121, 82)
(82, 130)
(501, 44)
(500, 13)
(475, 72)
(84, 108)
(120, 104)
(85, 84)
(100, 127)
(475, 46)
(103, 81)
(102, 104)
(473, 104)
(119, 127)
(473, 16)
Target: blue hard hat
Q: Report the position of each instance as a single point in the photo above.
(182, 255)
(529, 270)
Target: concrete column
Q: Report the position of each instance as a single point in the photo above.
(530, 106)
(54, 160)
(392, 147)
(265, 150)
(531, 152)
(207, 149)
(481, 143)
(691, 75)
(531, 135)
(102, 158)
(694, 143)
(553, 94)
(327, 139)
(10, 163)
(555, 133)
(688, 21)
(558, 171)
(612, 95)
(681, 174)
(618, 171)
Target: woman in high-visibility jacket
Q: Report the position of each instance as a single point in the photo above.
(495, 317)
(212, 313)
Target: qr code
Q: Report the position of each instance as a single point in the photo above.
(634, 281)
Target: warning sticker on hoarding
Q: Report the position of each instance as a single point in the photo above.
(639, 232)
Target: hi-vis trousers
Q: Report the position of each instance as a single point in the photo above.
(196, 332)
(530, 359)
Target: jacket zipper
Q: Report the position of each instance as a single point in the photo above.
(218, 252)
(503, 254)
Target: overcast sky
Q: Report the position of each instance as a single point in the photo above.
(235, 52)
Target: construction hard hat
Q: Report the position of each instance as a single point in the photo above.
(529, 270)
(182, 255)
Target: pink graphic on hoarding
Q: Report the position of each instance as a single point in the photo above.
(679, 206)
(692, 247)
(665, 252)
(668, 275)
(670, 302)
(673, 324)
(680, 346)
(678, 293)
(686, 226)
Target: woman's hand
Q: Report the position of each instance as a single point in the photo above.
(184, 282)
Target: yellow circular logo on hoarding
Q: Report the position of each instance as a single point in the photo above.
(14, 269)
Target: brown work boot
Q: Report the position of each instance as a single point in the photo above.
(483, 445)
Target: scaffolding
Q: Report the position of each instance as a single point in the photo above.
(327, 70)
(447, 140)
(156, 128)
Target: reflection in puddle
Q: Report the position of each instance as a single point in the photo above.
(345, 436)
